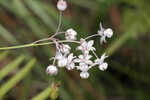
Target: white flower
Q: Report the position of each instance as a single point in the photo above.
(62, 61)
(85, 47)
(83, 67)
(70, 63)
(64, 48)
(61, 5)
(58, 55)
(51, 70)
(104, 33)
(101, 60)
(84, 59)
(108, 32)
(70, 34)
(84, 75)
(102, 65)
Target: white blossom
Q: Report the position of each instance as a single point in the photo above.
(101, 60)
(70, 62)
(102, 65)
(85, 47)
(84, 59)
(52, 70)
(70, 34)
(83, 67)
(64, 48)
(61, 5)
(62, 61)
(104, 33)
(84, 75)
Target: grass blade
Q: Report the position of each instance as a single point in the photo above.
(10, 67)
(15, 79)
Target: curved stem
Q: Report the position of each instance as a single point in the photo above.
(46, 39)
(33, 45)
(94, 54)
(91, 36)
(59, 23)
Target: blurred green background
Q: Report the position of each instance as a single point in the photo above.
(22, 71)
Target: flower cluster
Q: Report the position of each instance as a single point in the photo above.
(64, 58)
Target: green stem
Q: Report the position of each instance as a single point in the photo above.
(33, 45)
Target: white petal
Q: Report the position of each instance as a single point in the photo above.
(77, 60)
(103, 40)
(103, 66)
(58, 55)
(84, 67)
(88, 57)
(62, 62)
(81, 56)
(79, 48)
(108, 32)
(70, 66)
(90, 43)
(101, 33)
(89, 62)
(84, 75)
(70, 57)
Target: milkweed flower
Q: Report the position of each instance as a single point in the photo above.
(104, 33)
(61, 5)
(70, 62)
(85, 47)
(64, 48)
(83, 62)
(52, 70)
(102, 65)
(70, 34)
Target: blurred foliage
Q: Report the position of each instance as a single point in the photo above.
(24, 21)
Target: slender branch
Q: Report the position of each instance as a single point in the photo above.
(33, 45)
(47, 39)
(94, 54)
(60, 20)
(57, 31)
(91, 36)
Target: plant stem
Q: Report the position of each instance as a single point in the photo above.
(33, 45)
(91, 36)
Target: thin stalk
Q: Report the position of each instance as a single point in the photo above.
(91, 36)
(49, 38)
(33, 45)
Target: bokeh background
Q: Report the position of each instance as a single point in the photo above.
(22, 71)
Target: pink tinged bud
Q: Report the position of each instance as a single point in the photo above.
(61, 5)
(84, 75)
(52, 70)
(70, 34)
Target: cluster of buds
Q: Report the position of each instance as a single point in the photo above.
(64, 58)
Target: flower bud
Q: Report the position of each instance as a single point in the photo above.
(52, 70)
(108, 32)
(71, 34)
(61, 5)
